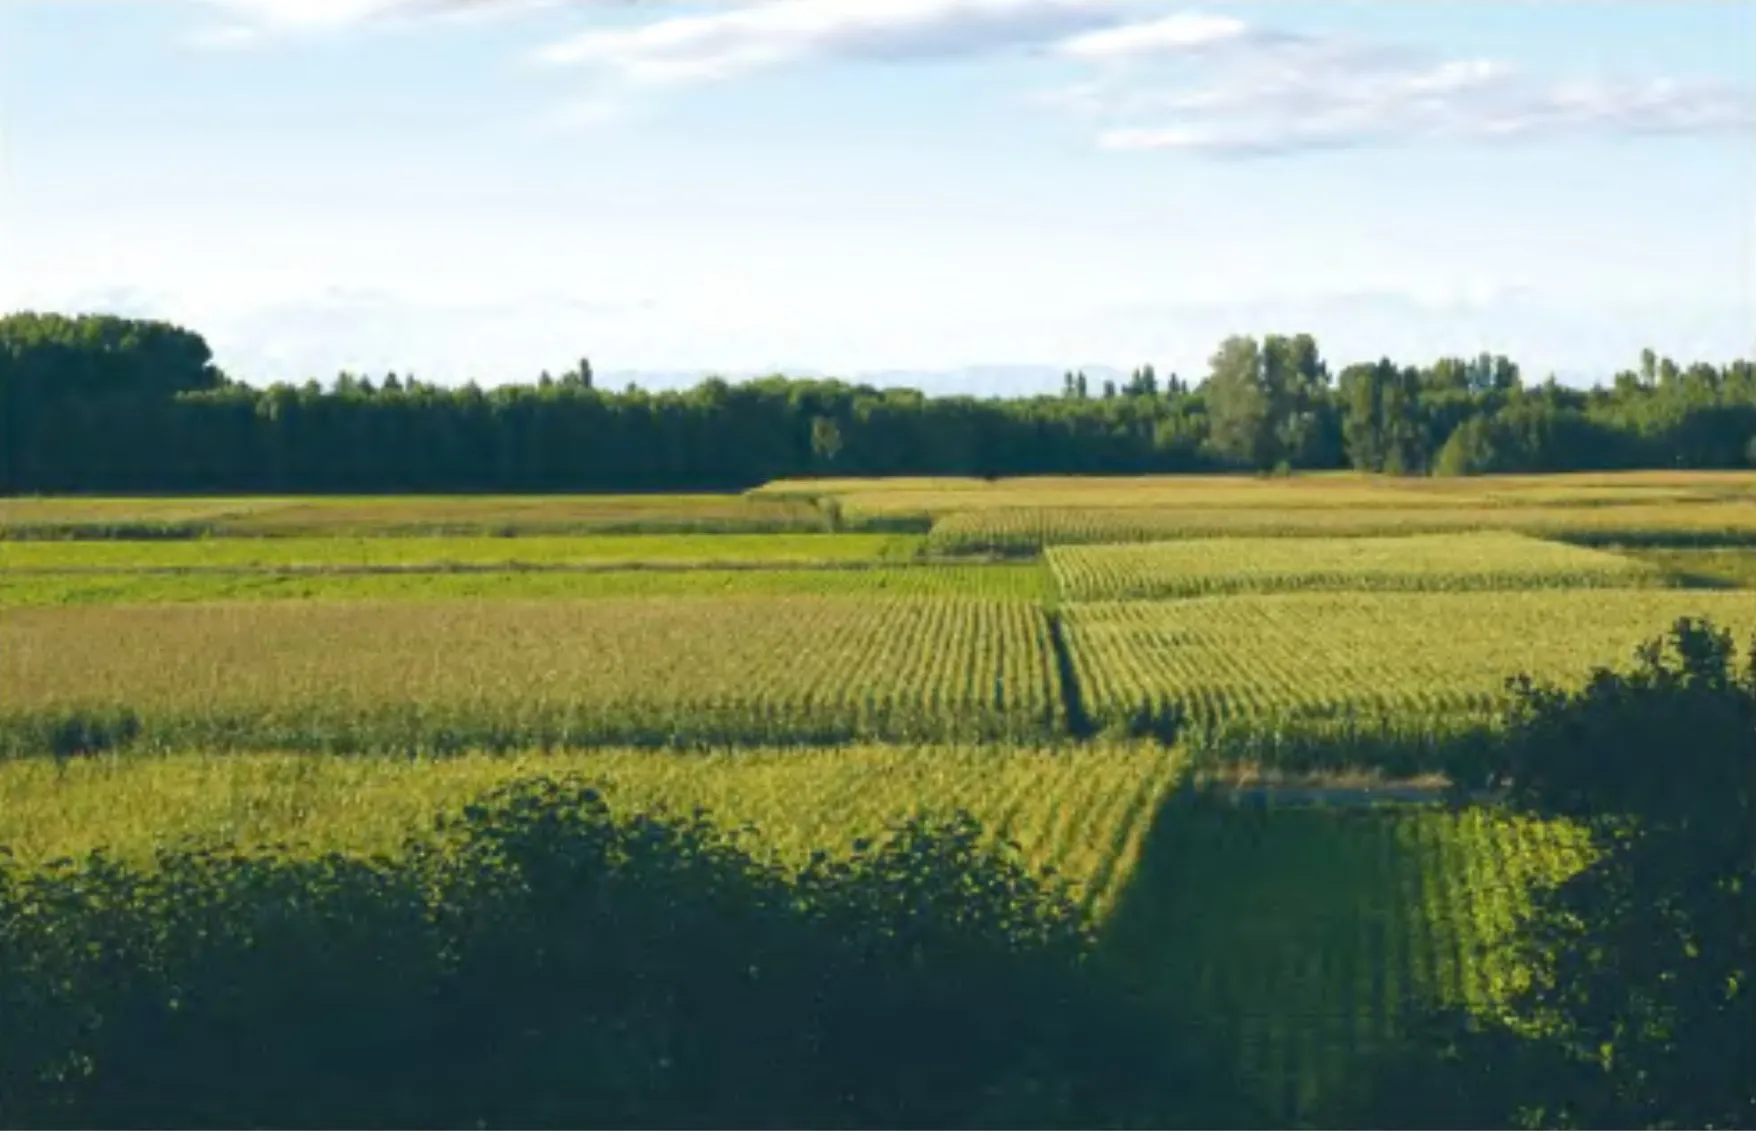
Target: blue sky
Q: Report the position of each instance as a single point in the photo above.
(488, 188)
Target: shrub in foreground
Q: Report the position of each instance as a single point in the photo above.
(1640, 1006)
(540, 962)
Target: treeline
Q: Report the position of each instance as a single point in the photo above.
(96, 403)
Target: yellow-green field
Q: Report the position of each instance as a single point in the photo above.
(1327, 490)
(424, 676)
(1313, 937)
(408, 514)
(1275, 658)
(809, 661)
(1016, 530)
(1309, 938)
(1026, 581)
(1444, 562)
(1084, 812)
(432, 553)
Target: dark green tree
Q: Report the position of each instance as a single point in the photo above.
(1640, 1009)
(825, 439)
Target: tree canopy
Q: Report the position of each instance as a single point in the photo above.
(97, 403)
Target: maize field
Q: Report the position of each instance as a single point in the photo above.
(448, 676)
(1443, 562)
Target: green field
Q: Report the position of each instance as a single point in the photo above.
(1265, 661)
(1322, 490)
(1013, 581)
(1059, 657)
(1314, 937)
(1026, 530)
(1310, 937)
(406, 515)
(1084, 812)
(1444, 562)
(447, 676)
(426, 552)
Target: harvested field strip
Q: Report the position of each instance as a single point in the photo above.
(1307, 491)
(425, 553)
(1442, 562)
(797, 801)
(405, 515)
(1026, 529)
(442, 677)
(1004, 581)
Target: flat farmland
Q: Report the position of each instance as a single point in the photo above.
(1315, 937)
(1026, 530)
(447, 676)
(1258, 669)
(1082, 812)
(1309, 938)
(943, 496)
(1059, 658)
(423, 552)
(402, 515)
(1444, 562)
(1026, 581)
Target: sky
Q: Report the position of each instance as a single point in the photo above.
(971, 194)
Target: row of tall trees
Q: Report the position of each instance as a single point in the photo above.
(96, 403)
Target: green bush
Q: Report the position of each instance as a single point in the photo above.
(537, 962)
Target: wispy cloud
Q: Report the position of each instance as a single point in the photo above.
(1177, 34)
(1202, 83)
(757, 36)
(243, 22)
(1263, 91)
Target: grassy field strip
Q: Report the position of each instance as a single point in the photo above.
(1311, 935)
(407, 515)
(1442, 562)
(797, 801)
(505, 675)
(1026, 529)
(1277, 658)
(426, 552)
(56, 510)
(1021, 581)
(943, 496)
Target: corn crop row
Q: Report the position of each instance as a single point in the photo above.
(1443, 562)
(1300, 678)
(1316, 937)
(441, 677)
(1025, 529)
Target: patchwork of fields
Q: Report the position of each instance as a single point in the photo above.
(817, 660)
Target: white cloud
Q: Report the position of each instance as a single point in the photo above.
(1190, 81)
(1263, 92)
(249, 21)
(1185, 31)
(758, 36)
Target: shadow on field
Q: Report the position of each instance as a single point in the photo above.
(539, 962)
(1281, 924)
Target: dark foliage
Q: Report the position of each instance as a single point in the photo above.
(105, 404)
(1642, 1007)
(542, 963)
